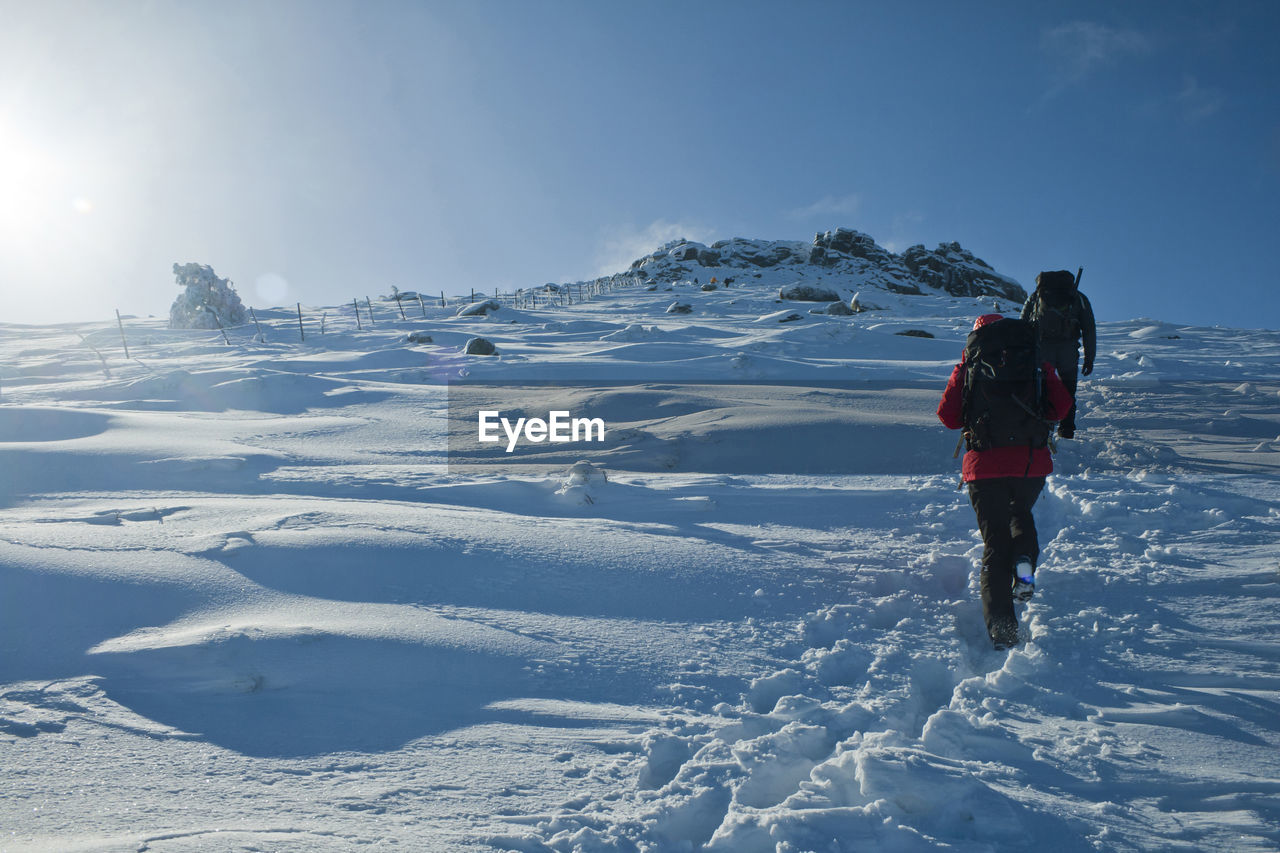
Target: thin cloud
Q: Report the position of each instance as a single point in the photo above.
(828, 206)
(1080, 49)
(624, 244)
(1196, 102)
(904, 226)
(1192, 103)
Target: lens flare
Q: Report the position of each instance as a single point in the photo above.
(272, 288)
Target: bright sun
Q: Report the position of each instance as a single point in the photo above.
(51, 235)
(38, 186)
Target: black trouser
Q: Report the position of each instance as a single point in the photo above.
(1003, 507)
(1065, 358)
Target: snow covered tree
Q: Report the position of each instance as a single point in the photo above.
(206, 300)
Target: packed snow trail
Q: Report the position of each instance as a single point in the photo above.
(1141, 712)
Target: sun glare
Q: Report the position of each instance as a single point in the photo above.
(31, 180)
(49, 233)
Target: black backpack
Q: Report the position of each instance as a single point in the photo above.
(1056, 314)
(1005, 399)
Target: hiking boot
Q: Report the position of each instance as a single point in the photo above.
(1004, 633)
(1024, 579)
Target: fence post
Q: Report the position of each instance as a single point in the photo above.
(368, 304)
(400, 305)
(422, 305)
(120, 323)
(323, 317)
(302, 335)
(443, 304)
(218, 321)
(261, 337)
(355, 306)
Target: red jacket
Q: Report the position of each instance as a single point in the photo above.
(1002, 461)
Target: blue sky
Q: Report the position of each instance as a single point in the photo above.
(317, 151)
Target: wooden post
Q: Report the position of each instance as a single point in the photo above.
(120, 323)
(323, 317)
(217, 320)
(356, 307)
(442, 302)
(422, 305)
(302, 335)
(400, 305)
(261, 337)
(368, 304)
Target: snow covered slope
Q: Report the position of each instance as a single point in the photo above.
(248, 603)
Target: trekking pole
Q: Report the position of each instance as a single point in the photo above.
(959, 444)
(1079, 275)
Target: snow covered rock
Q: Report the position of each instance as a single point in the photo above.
(480, 346)
(582, 483)
(835, 309)
(419, 338)
(206, 302)
(780, 317)
(479, 309)
(679, 308)
(808, 293)
(858, 304)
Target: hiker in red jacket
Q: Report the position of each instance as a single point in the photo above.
(1005, 477)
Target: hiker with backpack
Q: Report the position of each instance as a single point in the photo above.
(1006, 399)
(1062, 315)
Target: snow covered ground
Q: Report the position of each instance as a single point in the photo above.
(247, 604)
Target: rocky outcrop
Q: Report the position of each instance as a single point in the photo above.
(957, 271)
(684, 258)
(844, 252)
(831, 247)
